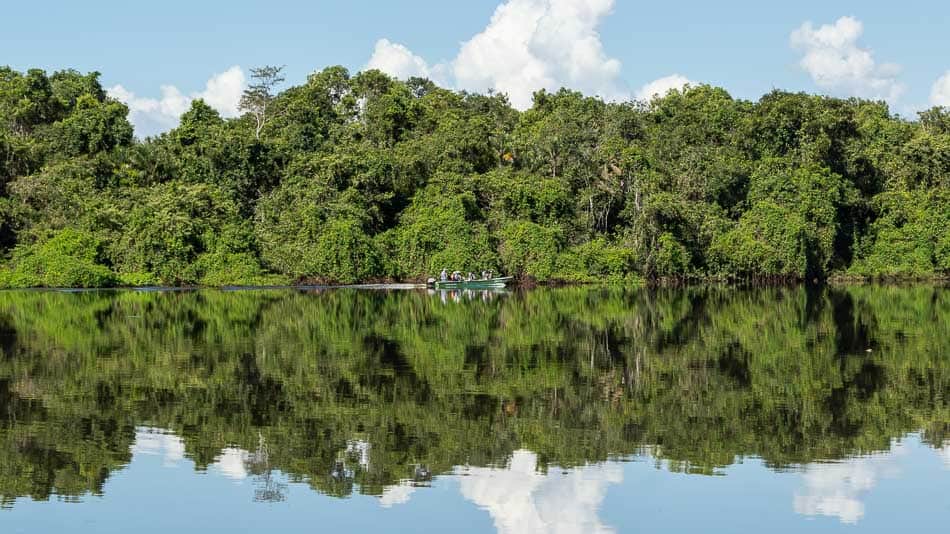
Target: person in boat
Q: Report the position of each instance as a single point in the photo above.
(471, 276)
(444, 275)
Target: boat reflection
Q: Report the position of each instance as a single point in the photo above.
(468, 295)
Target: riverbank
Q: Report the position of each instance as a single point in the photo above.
(527, 284)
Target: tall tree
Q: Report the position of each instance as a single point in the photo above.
(259, 95)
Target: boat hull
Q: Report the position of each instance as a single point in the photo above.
(491, 283)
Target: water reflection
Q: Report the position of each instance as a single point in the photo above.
(836, 488)
(231, 463)
(522, 498)
(526, 495)
(524, 398)
(158, 442)
(459, 295)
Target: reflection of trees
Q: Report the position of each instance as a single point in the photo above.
(268, 488)
(697, 376)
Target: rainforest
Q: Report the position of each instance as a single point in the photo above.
(361, 177)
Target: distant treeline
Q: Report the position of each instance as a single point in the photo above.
(351, 178)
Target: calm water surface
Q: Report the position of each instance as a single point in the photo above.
(569, 410)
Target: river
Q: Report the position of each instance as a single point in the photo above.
(698, 409)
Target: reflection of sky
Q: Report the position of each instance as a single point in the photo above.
(522, 500)
(902, 489)
(398, 494)
(231, 463)
(835, 489)
(839, 489)
(519, 498)
(154, 441)
(157, 442)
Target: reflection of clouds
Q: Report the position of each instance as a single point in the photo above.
(398, 494)
(158, 442)
(945, 454)
(155, 441)
(231, 463)
(520, 499)
(835, 489)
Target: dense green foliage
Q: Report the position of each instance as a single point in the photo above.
(699, 377)
(347, 178)
(69, 258)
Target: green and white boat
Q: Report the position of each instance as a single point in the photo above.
(483, 283)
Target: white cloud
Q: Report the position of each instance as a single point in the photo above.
(520, 499)
(155, 115)
(835, 62)
(836, 489)
(397, 60)
(940, 92)
(661, 86)
(223, 91)
(527, 45)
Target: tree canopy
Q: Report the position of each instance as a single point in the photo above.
(361, 177)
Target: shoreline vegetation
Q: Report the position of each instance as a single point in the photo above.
(527, 285)
(350, 178)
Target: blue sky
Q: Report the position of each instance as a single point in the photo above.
(895, 50)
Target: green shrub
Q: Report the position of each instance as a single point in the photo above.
(290, 221)
(442, 228)
(233, 269)
(175, 224)
(942, 250)
(793, 225)
(596, 261)
(136, 279)
(670, 258)
(540, 199)
(770, 240)
(909, 237)
(528, 249)
(67, 259)
(344, 254)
